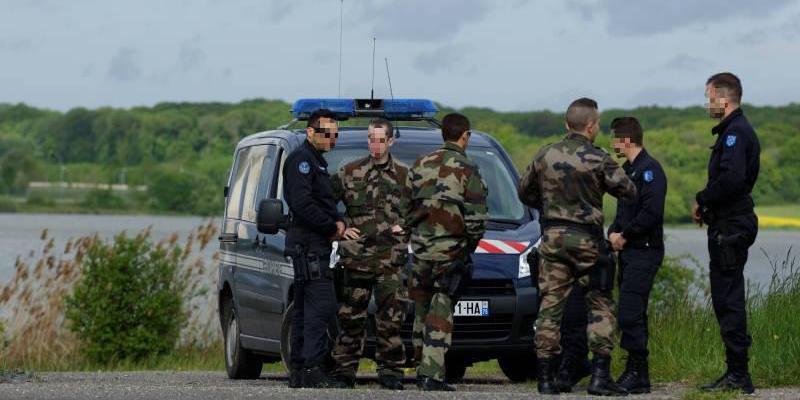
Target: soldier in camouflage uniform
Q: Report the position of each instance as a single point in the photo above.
(566, 182)
(449, 218)
(375, 189)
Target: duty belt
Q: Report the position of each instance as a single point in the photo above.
(591, 229)
(741, 207)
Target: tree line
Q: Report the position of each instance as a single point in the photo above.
(182, 151)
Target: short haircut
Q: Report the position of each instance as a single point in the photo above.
(581, 113)
(453, 126)
(313, 120)
(729, 83)
(383, 123)
(627, 127)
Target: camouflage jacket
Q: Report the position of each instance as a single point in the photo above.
(377, 197)
(449, 201)
(567, 180)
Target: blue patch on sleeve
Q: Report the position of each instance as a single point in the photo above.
(730, 141)
(648, 176)
(304, 168)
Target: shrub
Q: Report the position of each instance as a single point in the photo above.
(99, 199)
(127, 303)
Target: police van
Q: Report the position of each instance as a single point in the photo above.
(494, 318)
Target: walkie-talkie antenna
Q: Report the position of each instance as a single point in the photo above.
(391, 93)
(341, 19)
(372, 90)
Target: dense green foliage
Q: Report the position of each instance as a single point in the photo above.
(127, 303)
(182, 151)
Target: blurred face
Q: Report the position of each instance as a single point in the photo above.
(620, 145)
(379, 142)
(716, 102)
(323, 137)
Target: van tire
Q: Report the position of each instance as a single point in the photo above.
(240, 363)
(518, 368)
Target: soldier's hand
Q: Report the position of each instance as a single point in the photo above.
(696, 217)
(398, 230)
(351, 234)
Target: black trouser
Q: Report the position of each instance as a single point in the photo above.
(638, 268)
(314, 310)
(728, 242)
(574, 342)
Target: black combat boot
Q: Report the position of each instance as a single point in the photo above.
(296, 378)
(570, 372)
(316, 377)
(344, 381)
(391, 381)
(602, 384)
(736, 378)
(432, 385)
(636, 378)
(544, 372)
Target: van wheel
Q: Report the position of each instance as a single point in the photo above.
(518, 368)
(286, 339)
(455, 369)
(240, 363)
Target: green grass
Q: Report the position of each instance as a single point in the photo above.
(785, 211)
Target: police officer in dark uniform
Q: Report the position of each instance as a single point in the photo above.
(637, 233)
(315, 223)
(725, 204)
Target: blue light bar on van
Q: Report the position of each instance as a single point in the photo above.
(397, 109)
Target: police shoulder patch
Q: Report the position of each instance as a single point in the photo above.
(304, 168)
(730, 140)
(648, 176)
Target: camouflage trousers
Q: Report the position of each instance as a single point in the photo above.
(565, 253)
(433, 317)
(392, 302)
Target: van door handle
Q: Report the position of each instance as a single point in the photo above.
(228, 237)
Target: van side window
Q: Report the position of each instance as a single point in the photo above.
(234, 206)
(260, 159)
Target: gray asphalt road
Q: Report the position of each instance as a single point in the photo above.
(215, 385)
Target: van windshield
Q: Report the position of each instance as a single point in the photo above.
(504, 206)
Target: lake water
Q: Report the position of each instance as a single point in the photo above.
(20, 233)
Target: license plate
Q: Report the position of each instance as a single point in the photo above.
(472, 308)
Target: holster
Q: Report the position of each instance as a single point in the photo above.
(456, 280)
(601, 275)
(310, 266)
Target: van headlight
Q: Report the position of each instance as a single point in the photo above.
(524, 266)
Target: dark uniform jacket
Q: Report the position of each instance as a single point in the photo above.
(307, 190)
(641, 221)
(733, 167)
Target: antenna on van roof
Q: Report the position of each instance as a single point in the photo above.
(391, 93)
(341, 13)
(372, 89)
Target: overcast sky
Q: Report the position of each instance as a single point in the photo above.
(507, 55)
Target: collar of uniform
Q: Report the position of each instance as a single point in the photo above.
(640, 159)
(454, 147)
(577, 136)
(389, 166)
(316, 153)
(726, 121)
